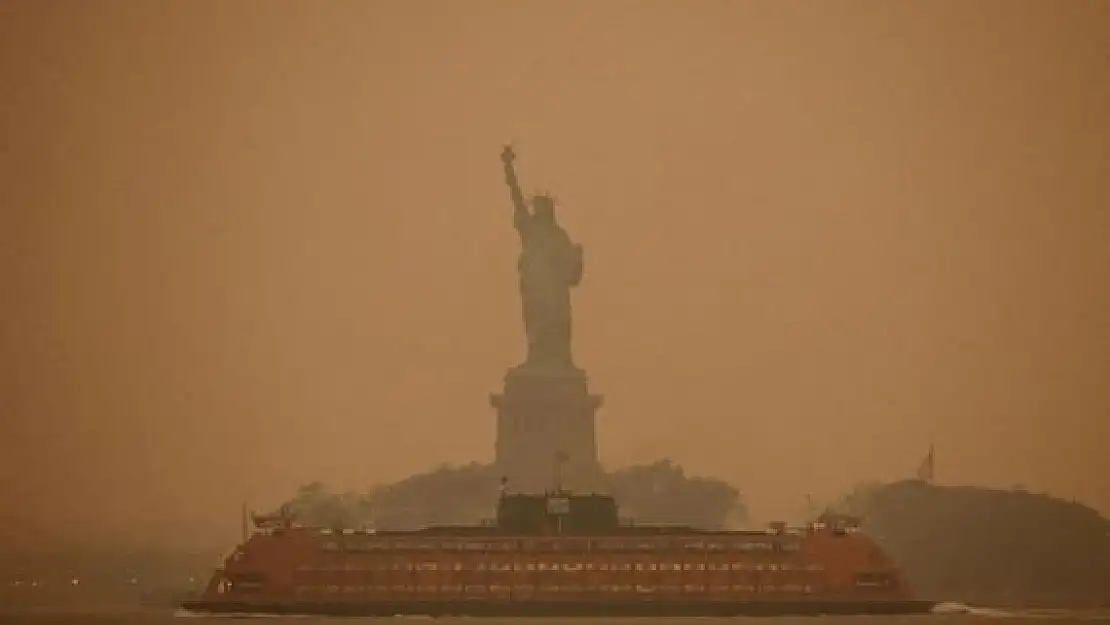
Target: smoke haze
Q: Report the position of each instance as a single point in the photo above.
(245, 246)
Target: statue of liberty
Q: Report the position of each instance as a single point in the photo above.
(549, 266)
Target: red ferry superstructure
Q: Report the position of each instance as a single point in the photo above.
(559, 554)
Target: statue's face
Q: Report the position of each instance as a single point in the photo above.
(544, 208)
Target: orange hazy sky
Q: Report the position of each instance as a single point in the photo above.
(245, 245)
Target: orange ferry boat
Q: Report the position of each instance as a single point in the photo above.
(558, 554)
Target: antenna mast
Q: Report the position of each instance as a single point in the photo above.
(557, 470)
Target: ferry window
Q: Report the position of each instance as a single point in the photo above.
(558, 505)
(872, 579)
(701, 566)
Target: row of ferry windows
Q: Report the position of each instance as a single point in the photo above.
(569, 545)
(563, 566)
(479, 589)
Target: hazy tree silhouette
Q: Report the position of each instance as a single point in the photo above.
(447, 495)
(988, 546)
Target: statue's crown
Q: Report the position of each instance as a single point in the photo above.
(543, 197)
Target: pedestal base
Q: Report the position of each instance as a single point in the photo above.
(546, 430)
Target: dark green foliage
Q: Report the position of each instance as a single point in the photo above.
(987, 546)
(654, 493)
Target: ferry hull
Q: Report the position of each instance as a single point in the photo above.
(565, 608)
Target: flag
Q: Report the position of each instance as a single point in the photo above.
(926, 471)
(244, 520)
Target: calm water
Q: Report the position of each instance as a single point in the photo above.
(106, 616)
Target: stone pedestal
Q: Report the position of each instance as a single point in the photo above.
(546, 431)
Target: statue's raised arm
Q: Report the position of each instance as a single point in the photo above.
(549, 265)
(520, 209)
